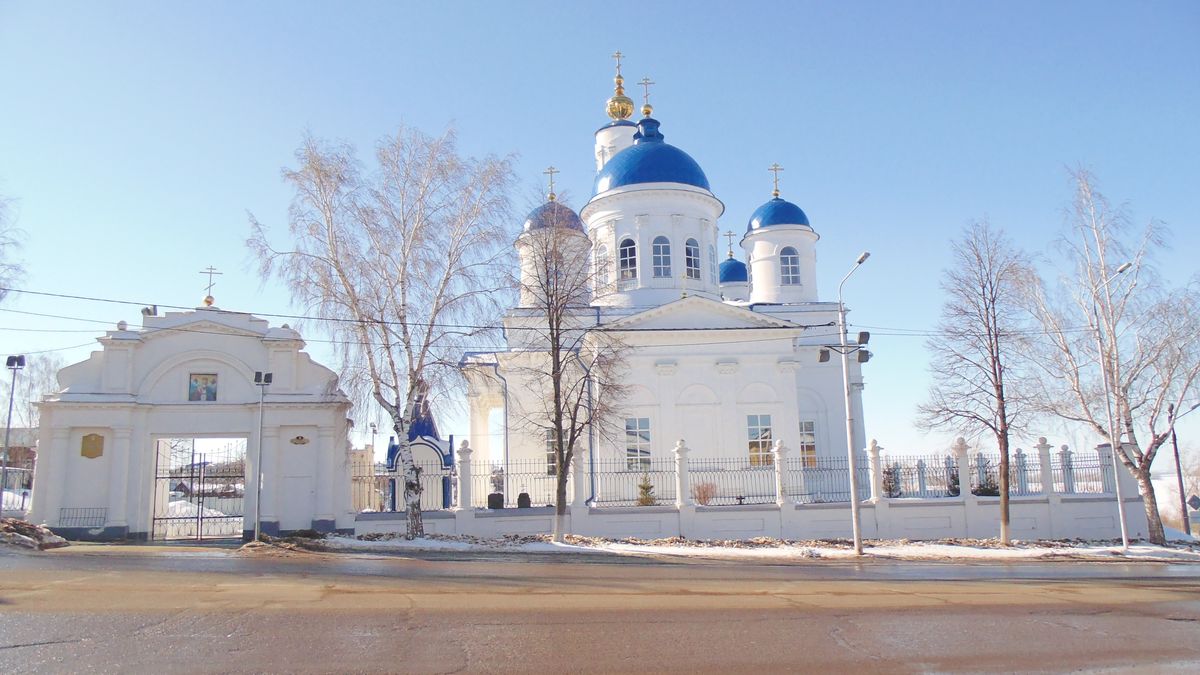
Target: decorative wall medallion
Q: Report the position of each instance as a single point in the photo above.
(727, 367)
(92, 446)
(299, 440)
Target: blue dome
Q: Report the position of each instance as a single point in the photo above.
(777, 212)
(732, 271)
(553, 214)
(650, 160)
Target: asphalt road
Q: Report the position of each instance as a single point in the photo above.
(154, 609)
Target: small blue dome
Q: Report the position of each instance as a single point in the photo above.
(777, 212)
(732, 271)
(553, 214)
(650, 160)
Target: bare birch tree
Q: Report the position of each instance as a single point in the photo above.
(403, 264)
(1127, 326)
(978, 339)
(569, 365)
(11, 270)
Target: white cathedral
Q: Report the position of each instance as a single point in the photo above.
(723, 354)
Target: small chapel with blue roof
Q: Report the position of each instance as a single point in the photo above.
(727, 351)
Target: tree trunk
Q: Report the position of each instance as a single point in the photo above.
(1003, 443)
(1153, 520)
(412, 486)
(560, 505)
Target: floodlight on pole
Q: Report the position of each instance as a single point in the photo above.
(1114, 443)
(262, 381)
(14, 364)
(853, 462)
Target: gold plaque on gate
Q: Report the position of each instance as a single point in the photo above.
(92, 446)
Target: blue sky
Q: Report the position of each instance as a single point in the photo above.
(136, 135)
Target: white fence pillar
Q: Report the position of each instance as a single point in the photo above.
(464, 477)
(876, 470)
(1068, 470)
(1047, 469)
(683, 495)
(1022, 471)
(1104, 451)
(579, 483)
(780, 473)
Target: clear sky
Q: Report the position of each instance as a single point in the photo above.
(135, 136)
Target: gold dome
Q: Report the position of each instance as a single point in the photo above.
(620, 106)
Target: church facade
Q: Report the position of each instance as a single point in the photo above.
(723, 350)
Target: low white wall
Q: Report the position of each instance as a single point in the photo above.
(1040, 517)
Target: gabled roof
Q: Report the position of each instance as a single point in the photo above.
(698, 313)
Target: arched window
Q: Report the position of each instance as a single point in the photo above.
(712, 263)
(601, 266)
(789, 267)
(691, 258)
(662, 257)
(627, 260)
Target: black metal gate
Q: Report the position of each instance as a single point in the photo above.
(199, 494)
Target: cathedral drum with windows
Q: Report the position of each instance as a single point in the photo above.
(725, 357)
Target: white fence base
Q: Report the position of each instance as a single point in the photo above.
(1037, 517)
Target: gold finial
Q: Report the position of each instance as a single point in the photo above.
(208, 298)
(646, 107)
(620, 106)
(775, 169)
(550, 171)
(729, 235)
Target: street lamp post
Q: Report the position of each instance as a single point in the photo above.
(15, 363)
(1113, 443)
(1172, 418)
(262, 380)
(853, 462)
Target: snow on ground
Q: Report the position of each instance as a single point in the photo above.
(186, 509)
(771, 549)
(16, 500)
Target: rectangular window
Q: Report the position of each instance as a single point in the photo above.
(691, 258)
(661, 250)
(808, 444)
(551, 455)
(637, 443)
(758, 432)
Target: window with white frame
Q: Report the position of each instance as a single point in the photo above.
(627, 260)
(691, 258)
(712, 263)
(661, 252)
(758, 433)
(808, 443)
(789, 267)
(551, 454)
(637, 443)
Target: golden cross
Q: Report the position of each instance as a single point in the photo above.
(775, 169)
(210, 272)
(646, 85)
(729, 235)
(618, 56)
(550, 171)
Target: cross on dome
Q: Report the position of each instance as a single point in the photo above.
(646, 107)
(550, 171)
(775, 169)
(729, 235)
(208, 298)
(620, 106)
(618, 56)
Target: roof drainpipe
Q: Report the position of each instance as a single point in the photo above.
(496, 368)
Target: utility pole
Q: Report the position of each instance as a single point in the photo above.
(15, 363)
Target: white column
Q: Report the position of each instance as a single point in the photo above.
(270, 474)
(118, 477)
(1047, 469)
(579, 483)
(683, 495)
(780, 473)
(49, 477)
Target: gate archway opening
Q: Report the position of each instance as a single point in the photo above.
(199, 488)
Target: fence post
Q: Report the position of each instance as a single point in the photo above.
(1022, 474)
(922, 483)
(1104, 450)
(964, 484)
(579, 483)
(683, 496)
(873, 463)
(780, 473)
(464, 476)
(1047, 468)
(1068, 471)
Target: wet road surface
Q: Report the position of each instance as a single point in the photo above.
(185, 609)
